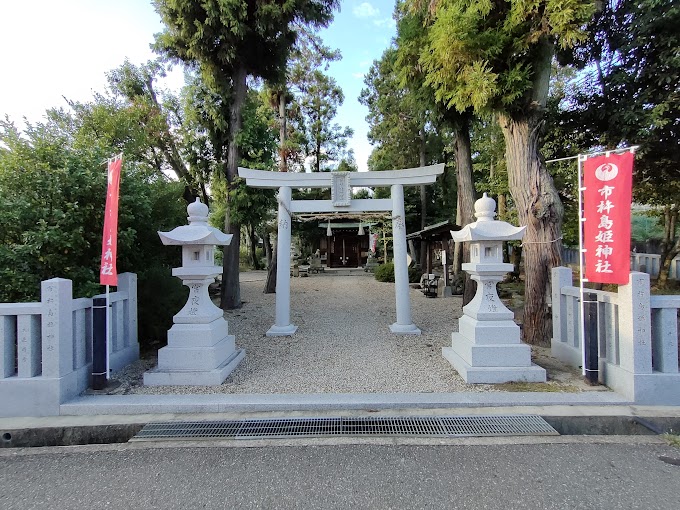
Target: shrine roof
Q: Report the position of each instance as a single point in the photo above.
(443, 228)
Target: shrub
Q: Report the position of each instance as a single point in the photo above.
(385, 273)
(414, 275)
(159, 296)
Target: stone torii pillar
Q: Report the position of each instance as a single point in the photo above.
(341, 184)
(282, 325)
(404, 324)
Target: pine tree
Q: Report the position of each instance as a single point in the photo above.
(227, 41)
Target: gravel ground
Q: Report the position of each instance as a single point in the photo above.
(343, 343)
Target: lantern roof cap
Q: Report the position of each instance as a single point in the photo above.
(198, 212)
(486, 228)
(197, 232)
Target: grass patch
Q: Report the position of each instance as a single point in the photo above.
(671, 287)
(672, 439)
(537, 387)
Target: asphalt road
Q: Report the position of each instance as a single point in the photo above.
(495, 476)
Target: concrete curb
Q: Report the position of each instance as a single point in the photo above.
(566, 419)
(221, 403)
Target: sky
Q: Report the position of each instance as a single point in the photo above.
(52, 50)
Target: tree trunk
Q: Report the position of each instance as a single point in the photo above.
(230, 291)
(457, 247)
(252, 244)
(268, 248)
(466, 194)
(665, 267)
(516, 259)
(670, 246)
(423, 202)
(539, 208)
(283, 133)
(270, 284)
(317, 163)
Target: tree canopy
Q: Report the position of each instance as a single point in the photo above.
(226, 42)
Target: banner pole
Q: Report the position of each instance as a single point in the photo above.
(590, 154)
(581, 252)
(108, 334)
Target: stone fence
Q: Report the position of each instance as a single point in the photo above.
(643, 262)
(46, 347)
(650, 264)
(637, 333)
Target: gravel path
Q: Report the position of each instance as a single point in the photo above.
(343, 343)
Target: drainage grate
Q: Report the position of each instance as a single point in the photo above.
(423, 426)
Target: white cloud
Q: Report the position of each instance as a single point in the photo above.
(365, 10)
(362, 150)
(358, 76)
(386, 22)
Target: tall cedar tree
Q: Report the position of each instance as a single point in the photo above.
(413, 38)
(291, 122)
(318, 98)
(227, 41)
(496, 56)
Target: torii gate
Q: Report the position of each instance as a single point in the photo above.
(341, 184)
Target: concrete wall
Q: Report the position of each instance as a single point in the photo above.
(637, 334)
(46, 347)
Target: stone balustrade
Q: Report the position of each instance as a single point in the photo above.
(46, 347)
(637, 333)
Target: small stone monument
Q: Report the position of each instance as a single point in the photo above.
(200, 351)
(487, 346)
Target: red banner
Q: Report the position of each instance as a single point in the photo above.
(606, 208)
(108, 274)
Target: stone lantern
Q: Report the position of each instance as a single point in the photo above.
(487, 346)
(200, 351)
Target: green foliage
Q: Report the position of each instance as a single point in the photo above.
(226, 42)
(404, 134)
(489, 55)
(159, 297)
(414, 274)
(250, 207)
(52, 195)
(628, 92)
(672, 439)
(217, 36)
(317, 98)
(385, 273)
(645, 226)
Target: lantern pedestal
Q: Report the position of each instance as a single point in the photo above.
(487, 347)
(200, 350)
(185, 363)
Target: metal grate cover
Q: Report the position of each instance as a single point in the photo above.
(417, 426)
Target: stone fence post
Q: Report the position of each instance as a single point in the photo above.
(127, 282)
(57, 327)
(635, 331)
(561, 277)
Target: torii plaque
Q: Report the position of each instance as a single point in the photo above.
(341, 184)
